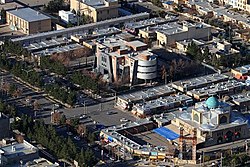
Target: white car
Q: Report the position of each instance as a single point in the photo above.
(69, 133)
(77, 138)
(83, 116)
(123, 120)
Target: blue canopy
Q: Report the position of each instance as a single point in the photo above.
(166, 133)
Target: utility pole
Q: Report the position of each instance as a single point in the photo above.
(78, 12)
(100, 107)
(221, 159)
(84, 107)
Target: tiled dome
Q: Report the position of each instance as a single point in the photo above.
(212, 102)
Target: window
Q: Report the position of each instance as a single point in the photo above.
(196, 118)
(108, 11)
(219, 134)
(104, 59)
(220, 139)
(223, 120)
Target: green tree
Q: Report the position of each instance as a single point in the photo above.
(206, 54)
(63, 119)
(55, 5)
(157, 3)
(3, 16)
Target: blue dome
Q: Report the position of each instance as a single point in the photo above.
(212, 102)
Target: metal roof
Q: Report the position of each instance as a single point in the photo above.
(29, 14)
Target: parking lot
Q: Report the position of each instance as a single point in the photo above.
(96, 112)
(25, 102)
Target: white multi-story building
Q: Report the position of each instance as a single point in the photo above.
(67, 16)
(125, 61)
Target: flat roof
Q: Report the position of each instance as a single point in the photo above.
(156, 140)
(97, 33)
(10, 6)
(97, 3)
(243, 69)
(217, 88)
(18, 149)
(169, 102)
(36, 46)
(180, 27)
(35, 3)
(241, 98)
(29, 14)
(145, 23)
(153, 92)
(199, 81)
(61, 49)
(136, 43)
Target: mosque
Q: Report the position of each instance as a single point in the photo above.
(214, 122)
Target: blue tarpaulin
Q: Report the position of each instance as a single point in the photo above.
(166, 133)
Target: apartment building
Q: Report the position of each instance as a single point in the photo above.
(98, 10)
(170, 33)
(28, 21)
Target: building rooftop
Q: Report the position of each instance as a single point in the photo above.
(29, 14)
(198, 82)
(180, 27)
(150, 93)
(243, 69)
(145, 23)
(58, 49)
(18, 149)
(98, 3)
(36, 46)
(10, 6)
(97, 33)
(168, 102)
(41, 162)
(114, 135)
(241, 98)
(221, 87)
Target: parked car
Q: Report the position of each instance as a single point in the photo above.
(77, 138)
(83, 116)
(123, 120)
(111, 112)
(69, 133)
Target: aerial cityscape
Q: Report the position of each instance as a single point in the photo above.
(119, 83)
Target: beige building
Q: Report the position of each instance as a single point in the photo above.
(97, 9)
(28, 21)
(171, 33)
(214, 121)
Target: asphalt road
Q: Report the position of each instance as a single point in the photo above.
(97, 112)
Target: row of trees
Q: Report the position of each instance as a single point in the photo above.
(21, 69)
(54, 66)
(62, 94)
(7, 109)
(86, 82)
(10, 47)
(236, 160)
(46, 135)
